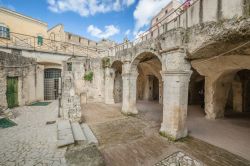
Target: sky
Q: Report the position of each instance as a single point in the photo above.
(93, 19)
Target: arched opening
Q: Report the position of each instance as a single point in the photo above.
(148, 86)
(117, 91)
(196, 94)
(51, 83)
(227, 98)
(238, 99)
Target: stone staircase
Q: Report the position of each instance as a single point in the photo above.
(73, 133)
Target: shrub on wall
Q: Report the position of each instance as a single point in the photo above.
(88, 76)
(105, 62)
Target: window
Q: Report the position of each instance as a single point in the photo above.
(39, 40)
(79, 40)
(156, 19)
(69, 66)
(4, 32)
(69, 37)
(166, 11)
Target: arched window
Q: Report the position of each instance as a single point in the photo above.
(4, 31)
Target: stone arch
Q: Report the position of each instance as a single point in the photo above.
(147, 65)
(225, 93)
(117, 89)
(139, 56)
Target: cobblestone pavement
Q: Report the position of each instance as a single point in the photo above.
(32, 142)
(179, 158)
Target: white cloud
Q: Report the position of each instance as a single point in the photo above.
(110, 30)
(127, 33)
(8, 6)
(145, 11)
(88, 7)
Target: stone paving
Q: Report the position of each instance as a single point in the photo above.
(135, 141)
(32, 142)
(179, 159)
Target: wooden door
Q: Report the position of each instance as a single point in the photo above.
(12, 92)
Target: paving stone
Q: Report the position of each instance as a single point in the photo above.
(89, 134)
(78, 132)
(64, 133)
(31, 142)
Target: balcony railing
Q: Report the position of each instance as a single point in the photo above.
(26, 42)
(165, 24)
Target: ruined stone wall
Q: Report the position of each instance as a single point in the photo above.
(76, 89)
(27, 72)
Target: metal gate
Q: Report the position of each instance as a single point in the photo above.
(51, 83)
(12, 92)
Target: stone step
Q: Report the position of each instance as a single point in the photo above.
(78, 132)
(89, 134)
(64, 133)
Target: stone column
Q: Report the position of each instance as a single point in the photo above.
(237, 96)
(125, 93)
(160, 92)
(175, 79)
(129, 90)
(132, 93)
(216, 94)
(148, 89)
(109, 86)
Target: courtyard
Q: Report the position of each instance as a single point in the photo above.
(124, 140)
(141, 83)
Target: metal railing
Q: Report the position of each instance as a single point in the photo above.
(154, 31)
(27, 42)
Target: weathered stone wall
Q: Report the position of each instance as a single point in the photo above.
(28, 73)
(76, 90)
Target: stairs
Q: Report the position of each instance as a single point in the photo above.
(73, 133)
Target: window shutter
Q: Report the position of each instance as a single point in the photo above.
(40, 40)
(8, 33)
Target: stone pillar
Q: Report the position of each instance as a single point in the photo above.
(129, 90)
(132, 93)
(148, 89)
(237, 96)
(160, 92)
(175, 79)
(125, 93)
(109, 86)
(216, 95)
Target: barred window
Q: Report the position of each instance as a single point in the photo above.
(4, 32)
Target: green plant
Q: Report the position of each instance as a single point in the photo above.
(88, 76)
(105, 62)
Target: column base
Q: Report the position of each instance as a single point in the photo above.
(173, 135)
(214, 116)
(110, 102)
(130, 112)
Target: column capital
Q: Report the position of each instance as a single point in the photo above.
(172, 50)
(131, 75)
(176, 72)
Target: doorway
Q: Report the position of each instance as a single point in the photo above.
(12, 92)
(51, 83)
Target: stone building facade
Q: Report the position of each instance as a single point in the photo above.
(31, 38)
(26, 73)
